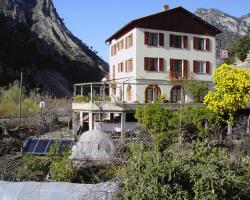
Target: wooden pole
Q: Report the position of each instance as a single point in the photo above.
(20, 102)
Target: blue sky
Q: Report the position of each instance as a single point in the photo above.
(93, 21)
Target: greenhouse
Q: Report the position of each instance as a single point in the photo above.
(56, 191)
(93, 145)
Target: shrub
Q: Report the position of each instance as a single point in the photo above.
(61, 168)
(81, 99)
(34, 168)
(201, 173)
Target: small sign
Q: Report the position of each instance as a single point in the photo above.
(42, 104)
(223, 53)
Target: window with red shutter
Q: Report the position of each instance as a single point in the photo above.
(146, 63)
(161, 64)
(185, 42)
(146, 38)
(207, 67)
(161, 39)
(207, 44)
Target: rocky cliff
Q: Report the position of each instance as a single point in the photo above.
(34, 39)
(232, 27)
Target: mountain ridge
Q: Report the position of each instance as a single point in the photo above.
(232, 27)
(35, 40)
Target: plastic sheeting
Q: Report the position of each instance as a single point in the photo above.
(56, 191)
(93, 145)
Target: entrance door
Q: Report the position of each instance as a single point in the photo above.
(176, 94)
(152, 93)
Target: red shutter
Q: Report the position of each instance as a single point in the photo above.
(195, 42)
(113, 72)
(146, 63)
(161, 64)
(146, 38)
(207, 44)
(195, 66)
(161, 39)
(126, 42)
(185, 42)
(185, 65)
(126, 66)
(171, 71)
(208, 67)
(171, 64)
(171, 40)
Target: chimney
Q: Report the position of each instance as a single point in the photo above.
(165, 8)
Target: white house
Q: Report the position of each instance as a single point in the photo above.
(152, 56)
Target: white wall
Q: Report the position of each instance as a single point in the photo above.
(168, 53)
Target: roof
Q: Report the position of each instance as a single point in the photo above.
(177, 20)
(95, 145)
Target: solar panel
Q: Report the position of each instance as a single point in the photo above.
(65, 144)
(30, 145)
(41, 146)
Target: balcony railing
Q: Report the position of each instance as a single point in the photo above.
(179, 75)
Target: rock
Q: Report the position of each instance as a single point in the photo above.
(34, 39)
(232, 27)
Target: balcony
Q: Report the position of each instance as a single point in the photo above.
(179, 75)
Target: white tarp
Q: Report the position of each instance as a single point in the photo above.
(93, 145)
(56, 191)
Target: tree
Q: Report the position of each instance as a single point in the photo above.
(197, 88)
(232, 92)
(239, 49)
(164, 125)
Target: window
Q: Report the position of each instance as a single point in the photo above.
(129, 93)
(129, 41)
(120, 67)
(201, 67)
(113, 86)
(176, 65)
(178, 41)
(201, 43)
(153, 64)
(154, 39)
(113, 50)
(129, 65)
(152, 93)
(120, 45)
(178, 69)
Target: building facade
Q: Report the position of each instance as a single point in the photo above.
(155, 55)
(150, 58)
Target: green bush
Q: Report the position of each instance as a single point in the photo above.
(201, 173)
(34, 168)
(81, 99)
(61, 168)
(9, 101)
